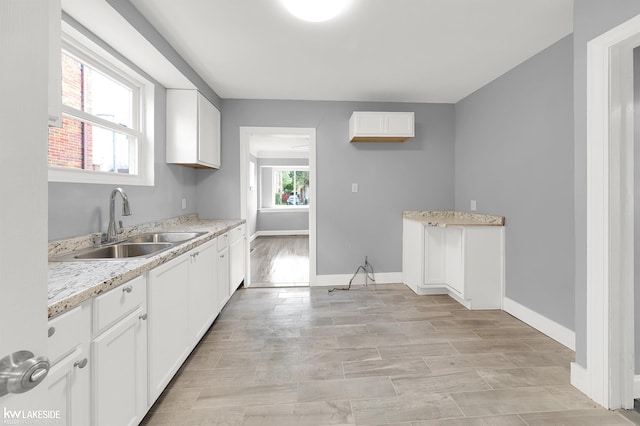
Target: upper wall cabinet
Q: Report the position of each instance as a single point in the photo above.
(366, 126)
(55, 65)
(193, 130)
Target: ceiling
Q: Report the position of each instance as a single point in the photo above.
(279, 146)
(376, 50)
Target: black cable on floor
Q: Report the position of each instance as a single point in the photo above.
(366, 268)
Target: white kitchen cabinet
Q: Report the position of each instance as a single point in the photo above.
(466, 262)
(374, 126)
(193, 130)
(119, 353)
(237, 254)
(423, 256)
(203, 288)
(55, 64)
(69, 379)
(224, 285)
(169, 336)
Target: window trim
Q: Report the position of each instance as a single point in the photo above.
(97, 57)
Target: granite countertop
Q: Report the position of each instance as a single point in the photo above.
(71, 283)
(453, 218)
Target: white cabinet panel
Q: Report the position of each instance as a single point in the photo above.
(434, 255)
(223, 277)
(203, 291)
(169, 336)
(69, 380)
(193, 130)
(237, 254)
(120, 372)
(374, 126)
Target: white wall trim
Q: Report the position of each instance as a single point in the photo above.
(557, 332)
(343, 279)
(610, 311)
(279, 233)
(580, 378)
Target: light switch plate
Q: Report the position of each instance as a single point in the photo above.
(184, 203)
(473, 205)
(354, 187)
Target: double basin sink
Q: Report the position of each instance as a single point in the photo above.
(137, 246)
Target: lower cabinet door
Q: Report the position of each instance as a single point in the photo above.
(68, 389)
(120, 372)
(168, 304)
(223, 277)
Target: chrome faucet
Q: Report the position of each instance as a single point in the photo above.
(112, 232)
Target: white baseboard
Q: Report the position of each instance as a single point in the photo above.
(636, 386)
(279, 233)
(343, 279)
(557, 332)
(580, 379)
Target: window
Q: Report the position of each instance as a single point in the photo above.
(291, 187)
(107, 116)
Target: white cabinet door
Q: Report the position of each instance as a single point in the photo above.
(237, 261)
(412, 254)
(69, 379)
(69, 388)
(203, 291)
(434, 252)
(169, 336)
(455, 259)
(208, 133)
(223, 277)
(374, 126)
(193, 129)
(120, 372)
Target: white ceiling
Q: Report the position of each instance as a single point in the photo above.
(377, 50)
(279, 146)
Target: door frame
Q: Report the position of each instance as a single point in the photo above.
(245, 138)
(608, 378)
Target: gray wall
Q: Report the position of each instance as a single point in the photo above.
(514, 156)
(79, 209)
(393, 177)
(591, 18)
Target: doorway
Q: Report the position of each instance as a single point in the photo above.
(608, 377)
(278, 181)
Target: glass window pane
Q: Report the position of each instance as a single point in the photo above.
(291, 187)
(82, 145)
(87, 89)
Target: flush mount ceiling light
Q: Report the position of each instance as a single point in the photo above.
(315, 10)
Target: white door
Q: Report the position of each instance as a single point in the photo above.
(23, 197)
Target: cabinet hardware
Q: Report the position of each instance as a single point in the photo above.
(143, 316)
(81, 364)
(128, 289)
(52, 331)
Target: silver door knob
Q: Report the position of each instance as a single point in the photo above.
(22, 371)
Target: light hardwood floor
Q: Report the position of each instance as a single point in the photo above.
(376, 355)
(280, 261)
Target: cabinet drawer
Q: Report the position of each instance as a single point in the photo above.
(66, 332)
(117, 303)
(236, 234)
(223, 241)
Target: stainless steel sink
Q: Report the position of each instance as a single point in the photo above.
(121, 251)
(124, 250)
(164, 237)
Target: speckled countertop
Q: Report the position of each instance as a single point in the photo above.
(453, 218)
(71, 283)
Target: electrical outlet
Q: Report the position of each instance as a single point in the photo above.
(184, 203)
(354, 187)
(474, 206)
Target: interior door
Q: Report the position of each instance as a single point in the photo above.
(23, 197)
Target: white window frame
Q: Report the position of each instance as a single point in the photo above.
(97, 57)
(285, 208)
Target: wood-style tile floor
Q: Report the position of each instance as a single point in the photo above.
(376, 355)
(281, 261)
